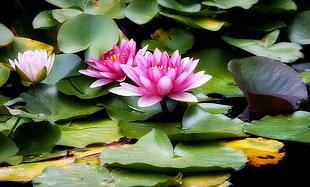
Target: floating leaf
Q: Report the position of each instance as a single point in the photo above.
(298, 30)
(171, 40)
(7, 146)
(126, 109)
(214, 61)
(211, 179)
(36, 137)
(82, 133)
(294, 127)
(44, 20)
(283, 51)
(80, 87)
(196, 21)
(6, 35)
(269, 85)
(260, 151)
(275, 6)
(65, 65)
(94, 175)
(142, 11)
(63, 14)
(26, 172)
(214, 108)
(4, 74)
(47, 103)
(155, 152)
(66, 3)
(112, 8)
(96, 29)
(227, 4)
(173, 4)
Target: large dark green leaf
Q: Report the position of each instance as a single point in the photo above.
(65, 65)
(155, 152)
(269, 85)
(47, 103)
(88, 131)
(294, 127)
(298, 30)
(36, 137)
(93, 175)
(7, 146)
(94, 33)
(283, 51)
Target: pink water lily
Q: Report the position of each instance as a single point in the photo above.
(158, 75)
(33, 66)
(107, 68)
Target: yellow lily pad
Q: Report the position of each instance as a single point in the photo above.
(26, 172)
(260, 151)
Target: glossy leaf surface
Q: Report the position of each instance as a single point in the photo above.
(6, 35)
(142, 11)
(227, 4)
(155, 152)
(294, 127)
(299, 28)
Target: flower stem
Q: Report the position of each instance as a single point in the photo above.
(164, 106)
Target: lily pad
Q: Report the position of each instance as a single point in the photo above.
(298, 30)
(73, 38)
(176, 5)
(7, 146)
(111, 8)
(4, 74)
(294, 127)
(155, 152)
(85, 132)
(65, 65)
(94, 175)
(47, 103)
(6, 35)
(227, 4)
(171, 40)
(62, 15)
(36, 137)
(80, 87)
(283, 51)
(44, 20)
(269, 85)
(142, 11)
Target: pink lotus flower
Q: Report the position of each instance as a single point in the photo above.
(107, 68)
(157, 75)
(33, 66)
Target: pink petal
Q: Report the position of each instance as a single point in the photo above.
(164, 86)
(101, 82)
(200, 81)
(132, 73)
(126, 90)
(149, 100)
(183, 96)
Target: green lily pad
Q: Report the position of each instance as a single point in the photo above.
(65, 65)
(111, 8)
(36, 137)
(196, 21)
(142, 11)
(80, 87)
(227, 4)
(47, 103)
(73, 38)
(126, 109)
(4, 74)
(197, 125)
(6, 35)
(94, 175)
(62, 15)
(294, 127)
(298, 30)
(269, 85)
(7, 146)
(283, 51)
(89, 131)
(183, 7)
(171, 40)
(44, 20)
(155, 152)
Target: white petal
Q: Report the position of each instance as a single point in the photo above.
(149, 100)
(183, 96)
(101, 82)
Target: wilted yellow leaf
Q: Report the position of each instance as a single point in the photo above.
(260, 151)
(26, 172)
(206, 180)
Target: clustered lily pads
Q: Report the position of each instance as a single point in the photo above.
(151, 93)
